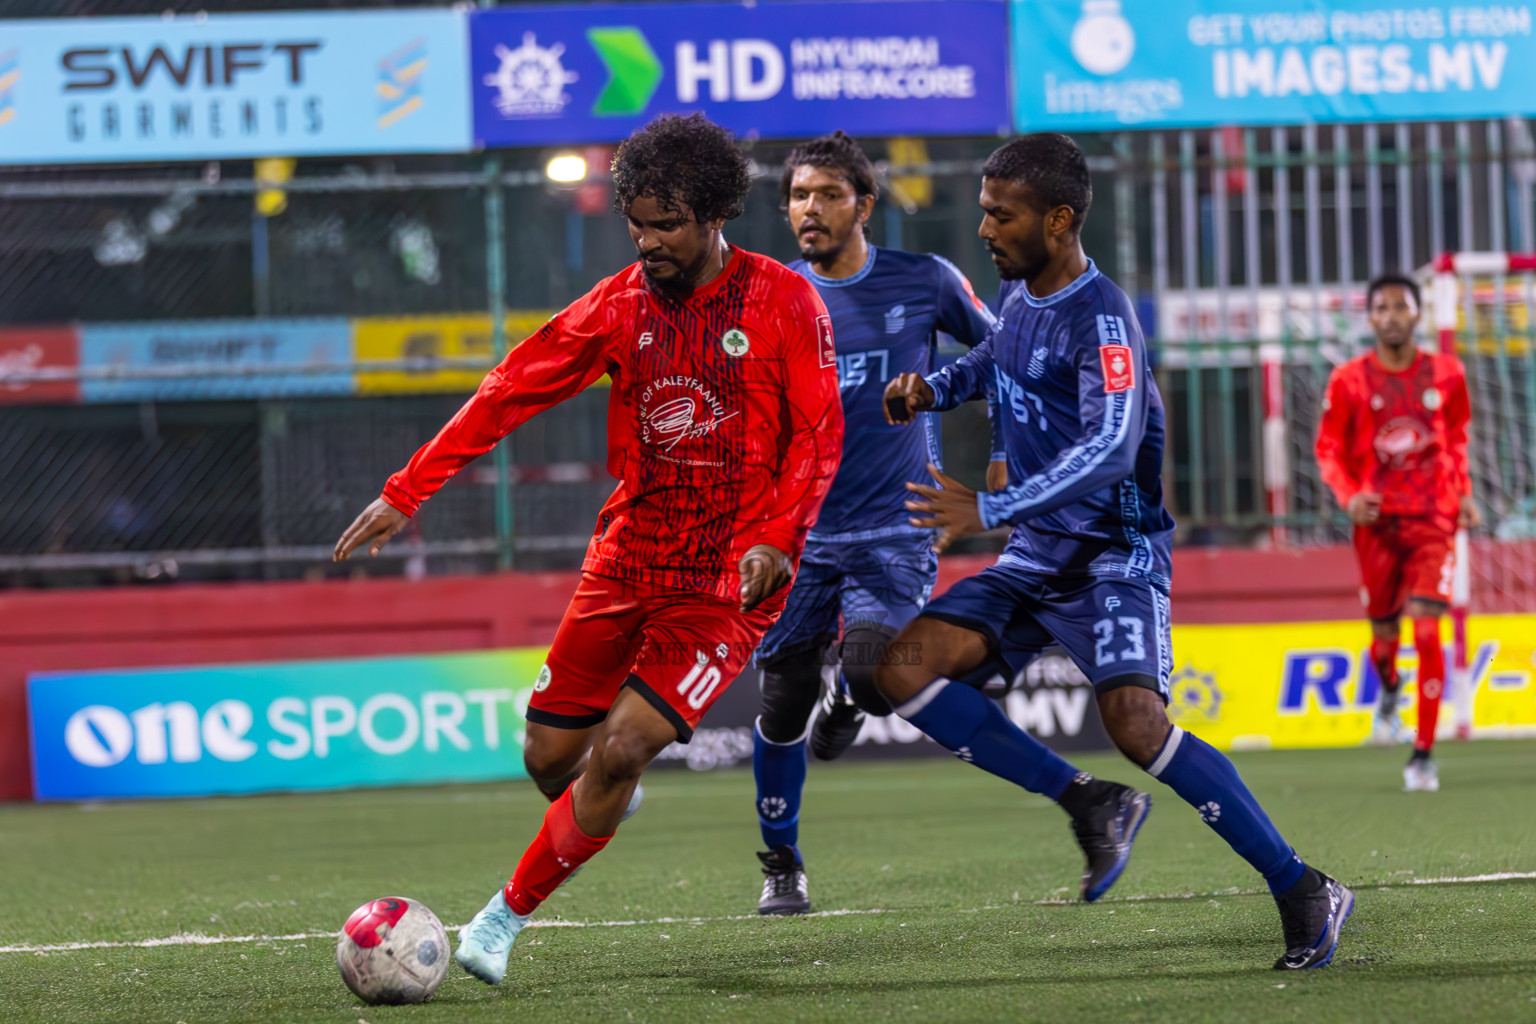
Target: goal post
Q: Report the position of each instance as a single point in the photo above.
(1484, 306)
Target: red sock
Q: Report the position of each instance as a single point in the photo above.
(1426, 637)
(1384, 657)
(559, 849)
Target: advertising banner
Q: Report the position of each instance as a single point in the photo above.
(251, 358)
(458, 717)
(425, 341)
(280, 726)
(1313, 685)
(594, 73)
(233, 85)
(29, 349)
(1092, 65)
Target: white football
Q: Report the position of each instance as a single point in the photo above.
(393, 950)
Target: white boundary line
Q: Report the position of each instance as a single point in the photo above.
(199, 939)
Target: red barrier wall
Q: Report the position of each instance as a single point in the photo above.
(179, 625)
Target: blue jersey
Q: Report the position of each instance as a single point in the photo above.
(1083, 427)
(885, 321)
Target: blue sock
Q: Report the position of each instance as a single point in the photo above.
(780, 772)
(971, 724)
(1206, 780)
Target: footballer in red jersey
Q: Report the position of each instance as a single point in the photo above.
(724, 430)
(1393, 447)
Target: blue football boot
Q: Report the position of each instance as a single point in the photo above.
(486, 942)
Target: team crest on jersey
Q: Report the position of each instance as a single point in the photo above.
(824, 341)
(1036, 366)
(1119, 373)
(1378, 403)
(1432, 399)
(735, 342)
(895, 319)
(671, 409)
(542, 683)
(1400, 439)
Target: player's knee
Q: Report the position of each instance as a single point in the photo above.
(618, 758)
(914, 659)
(896, 683)
(1426, 633)
(791, 686)
(549, 764)
(1134, 716)
(865, 693)
(863, 652)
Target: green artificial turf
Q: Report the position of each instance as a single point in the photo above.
(952, 864)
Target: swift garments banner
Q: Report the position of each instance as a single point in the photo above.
(232, 85)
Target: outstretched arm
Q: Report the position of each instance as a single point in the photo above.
(565, 356)
(968, 320)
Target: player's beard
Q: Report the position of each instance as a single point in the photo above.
(678, 284)
(1025, 261)
(827, 252)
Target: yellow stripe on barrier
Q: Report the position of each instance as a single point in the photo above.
(426, 341)
(1311, 684)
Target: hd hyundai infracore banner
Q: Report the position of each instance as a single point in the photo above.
(779, 70)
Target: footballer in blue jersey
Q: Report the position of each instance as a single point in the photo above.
(866, 570)
(1087, 565)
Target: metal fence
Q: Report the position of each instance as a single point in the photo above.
(260, 488)
(1230, 240)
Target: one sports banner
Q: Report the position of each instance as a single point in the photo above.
(280, 726)
(233, 85)
(594, 73)
(1093, 65)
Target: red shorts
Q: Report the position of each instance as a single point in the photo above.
(677, 649)
(1403, 557)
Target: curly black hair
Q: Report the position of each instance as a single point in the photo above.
(1051, 166)
(1403, 281)
(689, 165)
(837, 152)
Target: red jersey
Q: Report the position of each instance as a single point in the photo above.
(724, 424)
(1402, 435)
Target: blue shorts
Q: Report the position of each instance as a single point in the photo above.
(1109, 627)
(881, 584)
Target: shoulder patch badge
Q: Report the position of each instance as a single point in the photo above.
(1119, 373)
(824, 343)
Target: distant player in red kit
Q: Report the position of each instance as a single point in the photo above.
(725, 431)
(1393, 446)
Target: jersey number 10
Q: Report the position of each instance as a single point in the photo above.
(699, 685)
